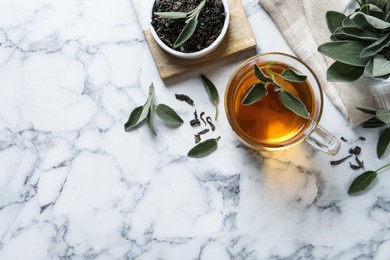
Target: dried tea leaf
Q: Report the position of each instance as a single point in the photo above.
(347, 52)
(260, 74)
(293, 76)
(383, 142)
(334, 20)
(293, 103)
(362, 182)
(212, 92)
(186, 33)
(133, 118)
(204, 148)
(168, 115)
(257, 91)
(342, 72)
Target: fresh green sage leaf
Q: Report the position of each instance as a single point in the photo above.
(372, 10)
(334, 20)
(373, 123)
(368, 22)
(367, 110)
(212, 92)
(256, 92)
(362, 182)
(383, 115)
(186, 33)
(381, 66)
(150, 118)
(347, 52)
(376, 47)
(204, 148)
(293, 76)
(168, 115)
(383, 142)
(353, 33)
(133, 118)
(379, 3)
(172, 15)
(260, 74)
(342, 72)
(347, 22)
(294, 104)
(368, 69)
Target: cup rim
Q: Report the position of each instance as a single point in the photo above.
(196, 54)
(313, 122)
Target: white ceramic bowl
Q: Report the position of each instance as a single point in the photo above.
(197, 54)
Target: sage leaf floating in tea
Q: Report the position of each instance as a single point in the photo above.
(257, 91)
(148, 112)
(168, 115)
(204, 148)
(294, 104)
(212, 92)
(293, 76)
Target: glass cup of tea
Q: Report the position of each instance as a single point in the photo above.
(268, 124)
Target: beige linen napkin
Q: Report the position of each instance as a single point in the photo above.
(303, 24)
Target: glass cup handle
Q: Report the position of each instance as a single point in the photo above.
(324, 141)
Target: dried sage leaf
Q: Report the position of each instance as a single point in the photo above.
(204, 148)
(293, 103)
(256, 92)
(293, 76)
(373, 123)
(186, 33)
(133, 118)
(171, 15)
(341, 72)
(362, 182)
(383, 142)
(212, 92)
(168, 115)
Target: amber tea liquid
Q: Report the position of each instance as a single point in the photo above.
(267, 122)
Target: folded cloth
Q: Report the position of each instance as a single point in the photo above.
(303, 24)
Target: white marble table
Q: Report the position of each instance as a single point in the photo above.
(75, 185)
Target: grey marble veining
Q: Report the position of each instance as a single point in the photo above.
(75, 185)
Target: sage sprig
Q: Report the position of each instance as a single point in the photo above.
(148, 111)
(365, 180)
(260, 89)
(360, 42)
(381, 118)
(191, 22)
(212, 92)
(204, 148)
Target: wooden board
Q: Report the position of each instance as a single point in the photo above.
(239, 38)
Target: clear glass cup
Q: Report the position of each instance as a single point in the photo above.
(265, 125)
